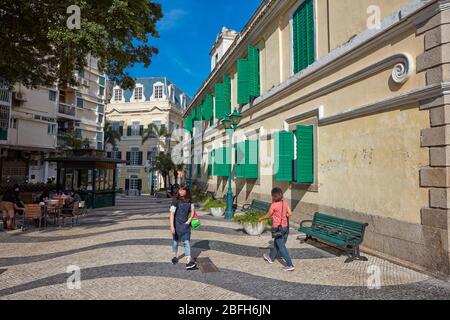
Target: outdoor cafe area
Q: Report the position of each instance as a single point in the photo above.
(89, 173)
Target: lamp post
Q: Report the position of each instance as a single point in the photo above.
(230, 123)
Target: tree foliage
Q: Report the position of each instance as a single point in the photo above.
(38, 48)
(163, 164)
(111, 135)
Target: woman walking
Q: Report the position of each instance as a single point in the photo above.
(280, 212)
(181, 214)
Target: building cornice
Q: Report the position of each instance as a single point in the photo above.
(408, 16)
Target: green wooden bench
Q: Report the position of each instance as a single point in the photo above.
(256, 205)
(345, 234)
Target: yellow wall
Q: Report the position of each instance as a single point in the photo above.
(369, 164)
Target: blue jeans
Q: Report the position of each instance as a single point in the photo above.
(279, 246)
(187, 247)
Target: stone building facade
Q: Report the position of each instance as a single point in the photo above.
(345, 106)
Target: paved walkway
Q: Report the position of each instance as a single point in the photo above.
(123, 253)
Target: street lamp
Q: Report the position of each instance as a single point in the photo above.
(230, 122)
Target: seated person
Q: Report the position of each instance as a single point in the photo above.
(71, 201)
(44, 196)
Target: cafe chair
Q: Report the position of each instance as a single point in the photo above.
(32, 212)
(71, 213)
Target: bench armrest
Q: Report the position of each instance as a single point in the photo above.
(302, 224)
(246, 206)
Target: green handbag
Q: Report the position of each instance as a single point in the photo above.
(195, 222)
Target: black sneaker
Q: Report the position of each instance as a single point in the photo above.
(191, 265)
(174, 260)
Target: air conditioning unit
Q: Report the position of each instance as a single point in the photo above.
(85, 82)
(19, 96)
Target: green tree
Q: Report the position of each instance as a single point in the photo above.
(163, 164)
(111, 135)
(71, 141)
(155, 132)
(38, 47)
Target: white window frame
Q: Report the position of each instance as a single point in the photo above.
(163, 96)
(135, 128)
(291, 33)
(134, 156)
(138, 87)
(121, 95)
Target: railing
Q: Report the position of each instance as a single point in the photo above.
(67, 109)
(5, 95)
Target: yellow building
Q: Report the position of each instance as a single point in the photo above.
(345, 107)
(153, 100)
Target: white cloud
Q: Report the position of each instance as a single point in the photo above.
(171, 18)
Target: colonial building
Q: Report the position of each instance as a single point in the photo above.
(345, 106)
(42, 121)
(153, 100)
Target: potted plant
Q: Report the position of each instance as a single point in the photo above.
(216, 207)
(250, 222)
(202, 200)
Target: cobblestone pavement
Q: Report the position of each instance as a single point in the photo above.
(124, 253)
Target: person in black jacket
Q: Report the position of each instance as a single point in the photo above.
(10, 203)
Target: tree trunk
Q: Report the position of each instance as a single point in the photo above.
(165, 181)
(175, 175)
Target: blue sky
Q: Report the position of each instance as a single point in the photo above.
(187, 32)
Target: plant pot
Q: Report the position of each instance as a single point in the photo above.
(217, 212)
(254, 229)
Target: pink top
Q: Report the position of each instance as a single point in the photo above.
(278, 216)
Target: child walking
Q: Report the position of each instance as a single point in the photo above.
(280, 212)
(181, 214)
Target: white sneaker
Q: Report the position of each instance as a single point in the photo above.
(291, 268)
(267, 258)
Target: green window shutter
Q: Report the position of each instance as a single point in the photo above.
(210, 164)
(222, 162)
(141, 130)
(216, 162)
(243, 82)
(207, 107)
(253, 66)
(251, 159)
(129, 131)
(227, 95)
(220, 101)
(240, 160)
(303, 36)
(188, 123)
(305, 154)
(198, 113)
(121, 131)
(284, 156)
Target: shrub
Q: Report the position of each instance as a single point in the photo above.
(214, 204)
(252, 217)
